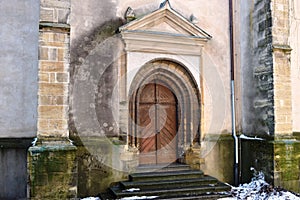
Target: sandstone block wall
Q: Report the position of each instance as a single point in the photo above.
(54, 50)
(53, 83)
(278, 155)
(52, 172)
(52, 160)
(282, 67)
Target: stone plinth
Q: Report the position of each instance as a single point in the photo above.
(52, 170)
(278, 159)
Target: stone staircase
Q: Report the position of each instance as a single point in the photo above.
(176, 181)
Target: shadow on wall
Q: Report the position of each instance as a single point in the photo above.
(93, 77)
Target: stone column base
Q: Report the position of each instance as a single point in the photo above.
(287, 164)
(100, 164)
(52, 169)
(278, 159)
(193, 157)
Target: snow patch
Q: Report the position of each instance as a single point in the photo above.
(137, 197)
(249, 138)
(91, 198)
(259, 189)
(132, 189)
(34, 142)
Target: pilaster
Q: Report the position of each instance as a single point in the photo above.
(281, 68)
(52, 160)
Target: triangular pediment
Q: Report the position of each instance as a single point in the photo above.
(166, 21)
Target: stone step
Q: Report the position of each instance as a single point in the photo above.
(169, 175)
(162, 168)
(205, 180)
(172, 192)
(108, 196)
(170, 182)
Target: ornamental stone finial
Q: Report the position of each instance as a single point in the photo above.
(130, 14)
(166, 3)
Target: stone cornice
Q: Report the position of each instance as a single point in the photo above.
(282, 47)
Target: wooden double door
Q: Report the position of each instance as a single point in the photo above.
(157, 124)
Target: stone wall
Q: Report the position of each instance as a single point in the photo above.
(263, 70)
(54, 53)
(52, 171)
(53, 83)
(52, 159)
(257, 154)
(286, 147)
(282, 67)
(268, 60)
(219, 160)
(287, 164)
(277, 155)
(256, 67)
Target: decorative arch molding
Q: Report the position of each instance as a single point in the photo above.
(175, 77)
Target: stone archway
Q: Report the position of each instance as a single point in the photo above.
(148, 41)
(175, 80)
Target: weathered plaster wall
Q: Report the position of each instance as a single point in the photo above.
(93, 49)
(93, 76)
(18, 68)
(295, 62)
(18, 92)
(248, 93)
(90, 28)
(95, 54)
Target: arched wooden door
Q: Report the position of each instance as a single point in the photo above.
(157, 124)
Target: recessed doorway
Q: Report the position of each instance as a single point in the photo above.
(157, 124)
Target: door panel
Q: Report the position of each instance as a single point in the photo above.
(167, 135)
(157, 125)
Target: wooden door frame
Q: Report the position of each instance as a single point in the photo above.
(137, 103)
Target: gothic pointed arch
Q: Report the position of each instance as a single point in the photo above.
(176, 78)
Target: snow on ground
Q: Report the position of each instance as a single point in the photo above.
(136, 197)
(259, 189)
(91, 198)
(132, 190)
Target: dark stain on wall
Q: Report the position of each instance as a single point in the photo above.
(104, 65)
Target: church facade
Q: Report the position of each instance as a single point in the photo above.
(121, 84)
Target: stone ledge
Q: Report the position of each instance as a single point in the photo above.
(52, 146)
(67, 27)
(287, 141)
(282, 47)
(216, 137)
